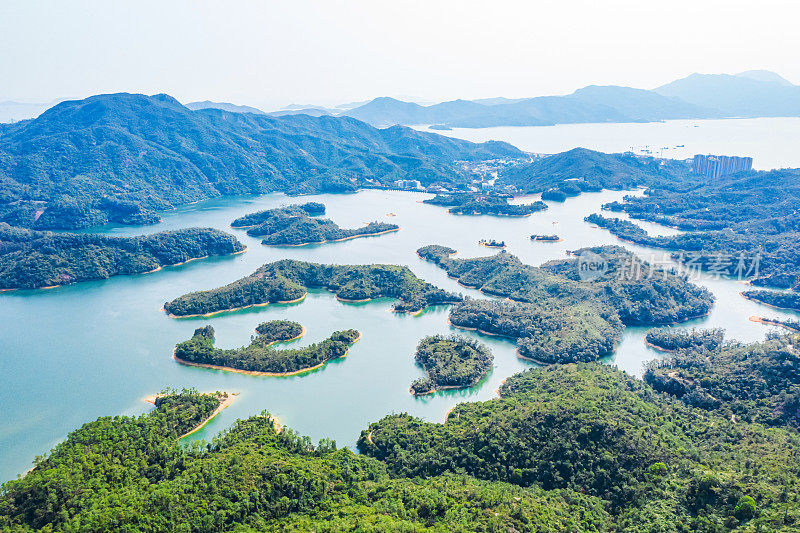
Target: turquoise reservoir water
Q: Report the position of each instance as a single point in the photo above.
(72, 354)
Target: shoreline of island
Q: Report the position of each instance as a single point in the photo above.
(384, 232)
(259, 372)
(234, 309)
(225, 400)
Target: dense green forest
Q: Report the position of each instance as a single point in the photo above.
(260, 356)
(565, 448)
(558, 318)
(747, 224)
(288, 280)
(451, 361)
(657, 464)
(279, 330)
(130, 474)
(32, 259)
(581, 170)
(757, 382)
(120, 157)
(467, 203)
(293, 225)
(672, 339)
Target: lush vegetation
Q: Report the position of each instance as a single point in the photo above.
(130, 474)
(293, 225)
(757, 382)
(672, 339)
(451, 362)
(279, 330)
(32, 259)
(259, 356)
(744, 225)
(783, 300)
(251, 220)
(565, 448)
(554, 315)
(467, 203)
(288, 280)
(657, 464)
(120, 157)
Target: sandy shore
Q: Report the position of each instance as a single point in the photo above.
(768, 322)
(658, 348)
(256, 372)
(225, 401)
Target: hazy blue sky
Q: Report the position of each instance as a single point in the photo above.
(278, 52)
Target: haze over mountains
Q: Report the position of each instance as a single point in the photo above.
(754, 93)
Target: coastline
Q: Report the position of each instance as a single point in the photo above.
(658, 348)
(258, 372)
(770, 322)
(225, 401)
(233, 309)
(743, 295)
(161, 267)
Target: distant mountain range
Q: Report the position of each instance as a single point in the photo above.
(749, 94)
(754, 93)
(118, 157)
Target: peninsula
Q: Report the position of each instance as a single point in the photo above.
(288, 280)
(41, 259)
(452, 362)
(294, 226)
(259, 357)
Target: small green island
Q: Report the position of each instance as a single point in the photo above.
(32, 259)
(259, 358)
(671, 339)
(294, 226)
(452, 362)
(484, 204)
(492, 243)
(288, 281)
(546, 238)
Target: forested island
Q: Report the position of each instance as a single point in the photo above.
(553, 315)
(671, 339)
(288, 280)
(452, 362)
(259, 357)
(546, 238)
(757, 382)
(491, 243)
(468, 203)
(279, 331)
(252, 220)
(194, 155)
(294, 226)
(744, 225)
(38, 259)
